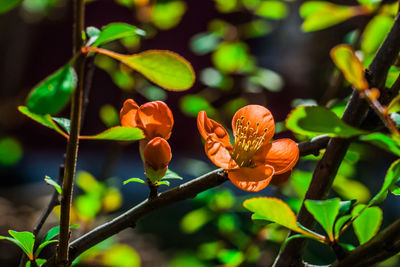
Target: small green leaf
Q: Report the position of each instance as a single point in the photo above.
(115, 31)
(195, 219)
(45, 120)
(313, 121)
(136, 180)
(351, 189)
(392, 177)
(7, 5)
(394, 105)
(345, 207)
(325, 213)
(88, 205)
(171, 175)
(39, 262)
(25, 240)
(340, 223)
(287, 240)
(10, 151)
(55, 231)
(167, 183)
(117, 133)
(367, 223)
(43, 245)
(192, 104)
(167, 14)
(16, 242)
(232, 57)
(375, 32)
(231, 257)
(50, 181)
(383, 141)
(53, 93)
(109, 115)
(165, 68)
(272, 9)
(300, 181)
(348, 63)
(120, 255)
(64, 123)
(204, 43)
(275, 210)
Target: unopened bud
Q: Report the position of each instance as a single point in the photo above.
(157, 155)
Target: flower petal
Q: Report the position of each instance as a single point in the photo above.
(157, 119)
(128, 113)
(252, 179)
(255, 114)
(219, 154)
(280, 179)
(281, 154)
(208, 126)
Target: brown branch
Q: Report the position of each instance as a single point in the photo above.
(327, 167)
(73, 141)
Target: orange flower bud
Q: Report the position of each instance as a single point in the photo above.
(157, 155)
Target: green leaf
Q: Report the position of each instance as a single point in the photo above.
(115, 31)
(375, 32)
(313, 121)
(351, 189)
(166, 15)
(232, 57)
(171, 175)
(16, 242)
(367, 223)
(300, 181)
(394, 105)
(43, 245)
(109, 115)
(39, 262)
(348, 63)
(117, 133)
(325, 213)
(195, 219)
(392, 177)
(64, 123)
(383, 141)
(192, 104)
(287, 240)
(25, 240)
(165, 68)
(88, 205)
(272, 9)
(50, 181)
(345, 207)
(53, 93)
(231, 257)
(55, 231)
(275, 210)
(45, 120)
(136, 180)
(268, 79)
(167, 183)
(340, 223)
(319, 15)
(10, 151)
(120, 255)
(204, 43)
(7, 5)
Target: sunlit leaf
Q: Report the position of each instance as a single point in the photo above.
(115, 31)
(53, 93)
(392, 177)
(50, 181)
(312, 121)
(135, 180)
(64, 123)
(272, 9)
(375, 32)
(232, 57)
(275, 210)
(171, 175)
(39, 262)
(195, 219)
(351, 189)
(87, 206)
(123, 80)
(300, 180)
(231, 257)
(256, 28)
(226, 6)
(394, 105)
(112, 199)
(222, 200)
(122, 256)
(383, 141)
(7, 5)
(88, 183)
(167, 183)
(166, 15)
(186, 259)
(117, 133)
(45, 120)
(324, 212)
(340, 222)
(393, 74)
(25, 240)
(10, 151)
(165, 68)
(109, 115)
(192, 104)
(349, 64)
(367, 223)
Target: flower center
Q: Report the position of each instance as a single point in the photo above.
(248, 141)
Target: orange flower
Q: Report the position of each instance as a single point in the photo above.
(157, 155)
(154, 118)
(252, 162)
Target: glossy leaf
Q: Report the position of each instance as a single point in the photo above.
(340, 222)
(7, 5)
(117, 133)
(324, 212)
(25, 240)
(55, 231)
(274, 210)
(50, 181)
(43, 245)
(367, 223)
(171, 175)
(312, 121)
(45, 120)
(272, 9)
(348, 63)
(375, 32)
(165, 68)
(115, 31)
(64, 123)
(136, 180)
(53, 93)
(392, 177)
(167, 183)
(383, 141)
(10, 151)
(39, 262)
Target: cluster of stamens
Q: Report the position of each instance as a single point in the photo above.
(247, 141)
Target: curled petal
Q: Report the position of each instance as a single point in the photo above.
(156, 119)
(281, 154)
(128, 113)
(280, 179)
(252, 179)
(251, 115)
(219, 154)
(208, 126)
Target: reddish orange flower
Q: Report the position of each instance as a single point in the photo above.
(252, 162)
(154, 118)
(157, 155)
